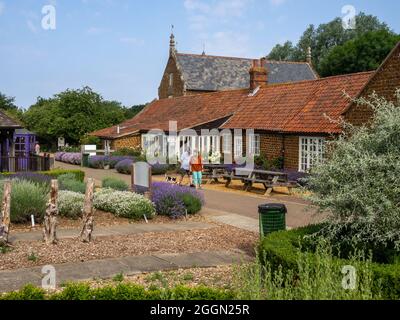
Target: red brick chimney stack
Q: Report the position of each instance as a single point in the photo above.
(258, 74)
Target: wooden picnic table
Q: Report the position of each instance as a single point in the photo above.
(214, 172)
(269, 179)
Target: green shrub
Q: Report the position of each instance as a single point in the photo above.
(27, 198)
(68, 182)
(193, 204)
(29, 292)
(124, 204)
(128, 152)
(281, 250)
(81, 291)
(314, 276)
(358, 182)
(115, 184)
(79, 174)
(70, 204)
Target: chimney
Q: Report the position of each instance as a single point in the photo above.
(258, 74)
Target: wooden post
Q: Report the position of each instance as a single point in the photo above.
(50, 218)
(150, 183)
(133, 186)
(5, 214)
(88, 213)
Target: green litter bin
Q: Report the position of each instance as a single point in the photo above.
(85, 160)
(272, 218)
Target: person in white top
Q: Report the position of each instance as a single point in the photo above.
(185, 166)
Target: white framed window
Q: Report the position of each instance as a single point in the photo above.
(238, 143)
(311, 152)
(171, 79)
(227, 144)
(255, 144)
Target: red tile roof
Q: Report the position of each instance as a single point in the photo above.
(301, 107)
(189, 111)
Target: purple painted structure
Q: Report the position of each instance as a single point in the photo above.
(17, 152)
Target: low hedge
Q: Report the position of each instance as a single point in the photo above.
(282, 248)
(79, 174)
(120, 292)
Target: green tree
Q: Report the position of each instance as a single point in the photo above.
(283, 52)
(361, 54)
(7, 105)
(133, 111)
(326, 36)
(72, 114)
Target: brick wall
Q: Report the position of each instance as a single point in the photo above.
(132, 142)
(177, 89)
(384, 83)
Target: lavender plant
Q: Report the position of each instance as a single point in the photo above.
(173, 200)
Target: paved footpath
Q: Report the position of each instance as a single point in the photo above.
(218, 203)
(107, 268)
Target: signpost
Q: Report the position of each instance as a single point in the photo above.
(142, 177)
(61, 142)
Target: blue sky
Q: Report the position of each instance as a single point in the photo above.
(120, 47)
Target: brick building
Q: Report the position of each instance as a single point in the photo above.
(188, 74)
(291, 121)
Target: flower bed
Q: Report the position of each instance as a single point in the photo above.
(125, 167)
(124, 204)
(99, 162)
(69, 157)
(173, 200)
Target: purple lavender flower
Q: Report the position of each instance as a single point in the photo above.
(168, 198)
(124, 166)
(33, 177)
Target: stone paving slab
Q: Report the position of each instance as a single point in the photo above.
(107, 268)
(128, 229)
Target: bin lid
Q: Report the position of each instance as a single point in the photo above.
(273, 206)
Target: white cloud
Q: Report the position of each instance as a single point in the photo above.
(2, 6)
(132, 40)
(277, 2)
(94, 31)
(32, 26)
(215, 25)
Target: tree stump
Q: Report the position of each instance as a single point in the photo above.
(88, 213)
(50, 218)
(5, 214)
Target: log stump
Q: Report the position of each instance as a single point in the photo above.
(5, 214)
(88, 213)
(50, 218)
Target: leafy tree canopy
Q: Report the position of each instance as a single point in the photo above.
(364, 53)
(324, 38)
(72, 114)
(7, 103)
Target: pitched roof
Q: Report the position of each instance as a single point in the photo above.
(301, 107)
(213, 73)
(8, 122)
(189, 112)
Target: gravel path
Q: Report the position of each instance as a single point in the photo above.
(35, 253)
